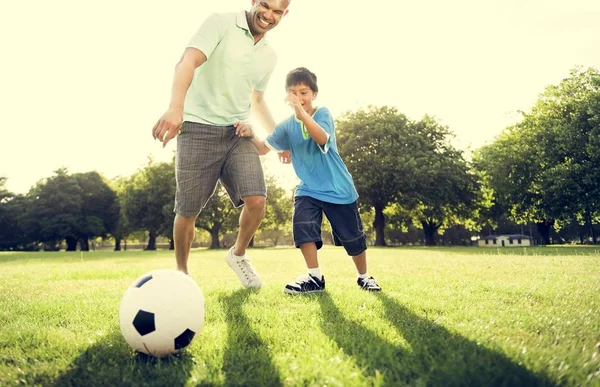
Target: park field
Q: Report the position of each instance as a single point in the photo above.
(446, 316)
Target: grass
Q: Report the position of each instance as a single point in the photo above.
(446, 316)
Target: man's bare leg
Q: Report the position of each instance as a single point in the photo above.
(250, 218)
(183, 236)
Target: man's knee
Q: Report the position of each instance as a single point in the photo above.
(255, 204)
(185, 220)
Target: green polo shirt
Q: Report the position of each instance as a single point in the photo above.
(235, 66)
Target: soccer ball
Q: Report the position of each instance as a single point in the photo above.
(161, 313)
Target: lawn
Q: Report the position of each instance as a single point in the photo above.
(446, 316)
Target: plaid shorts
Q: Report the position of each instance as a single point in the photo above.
(207, 154)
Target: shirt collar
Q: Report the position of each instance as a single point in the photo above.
(242, 22)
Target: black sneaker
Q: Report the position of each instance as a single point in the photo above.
(306, 284)
(369, 284)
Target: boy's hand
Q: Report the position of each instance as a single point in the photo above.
(243, 130)
(285, 157)
(295, 104)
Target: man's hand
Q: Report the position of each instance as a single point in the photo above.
(243, 130)
(168, 126)
(285, 157)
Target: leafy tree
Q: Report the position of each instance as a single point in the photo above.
(546, 168)
(148, 201)
(54, 214)
(447, 188)
(378, 146)
(100, 208)
(218, 216)
(278, 212)
(123, 228)
(12, 206)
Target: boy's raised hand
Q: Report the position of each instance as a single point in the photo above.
(294, 103)
(243, 130)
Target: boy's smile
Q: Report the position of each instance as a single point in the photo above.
(305, 95)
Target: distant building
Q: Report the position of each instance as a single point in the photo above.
(508, 240)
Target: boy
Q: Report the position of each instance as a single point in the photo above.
(326, 185)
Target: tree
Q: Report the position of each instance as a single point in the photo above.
(148, 201)
(278, 212)
(448, 189)
(378, 148)
(546, 167)
(219, 215)
(12, 208)
(123, 228)
(54, 212)
(100, 208)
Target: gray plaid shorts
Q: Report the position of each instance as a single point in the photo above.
(207, 154)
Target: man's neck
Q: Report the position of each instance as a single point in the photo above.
(257, 37)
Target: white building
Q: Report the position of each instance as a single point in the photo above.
(508, 240)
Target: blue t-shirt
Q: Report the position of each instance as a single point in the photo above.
(322, 172)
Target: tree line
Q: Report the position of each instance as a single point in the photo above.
(540, 176)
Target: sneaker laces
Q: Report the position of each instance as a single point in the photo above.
(370, 282)
(305, 278)
(247, 269)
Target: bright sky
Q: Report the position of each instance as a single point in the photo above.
(82, 83)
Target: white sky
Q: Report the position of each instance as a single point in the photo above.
(82, 83)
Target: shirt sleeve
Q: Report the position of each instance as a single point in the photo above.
(209, 34)
(278, 140)
(325, 121)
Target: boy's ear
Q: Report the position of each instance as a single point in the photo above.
(315, 95)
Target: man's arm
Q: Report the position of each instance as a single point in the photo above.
(167, 126)
(261, 111)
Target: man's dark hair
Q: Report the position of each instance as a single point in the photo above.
(301, 75)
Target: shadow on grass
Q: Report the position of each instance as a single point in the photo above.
(247, 360)
(435, 356)
(110, 363)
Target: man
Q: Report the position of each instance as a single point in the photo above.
(218, 82)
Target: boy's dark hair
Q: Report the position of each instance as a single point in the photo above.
(301, 75)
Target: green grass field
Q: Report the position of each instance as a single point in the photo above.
(446, 316)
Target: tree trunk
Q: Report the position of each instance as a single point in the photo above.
(543, 227)
(251, 244)
(71, 243)
(214, 235)
(430, 230)
(54, 246)
(172, 244)
(151, 240)
(588, 219)
(117, 244)
(379, 225)
(84, 244)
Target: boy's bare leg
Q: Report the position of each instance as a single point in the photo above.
(183, 236)
(312, 283)
(360, 261)
(309, 251)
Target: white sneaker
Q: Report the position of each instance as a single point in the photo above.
(244, 270)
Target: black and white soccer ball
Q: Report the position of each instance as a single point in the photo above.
(161, 313)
